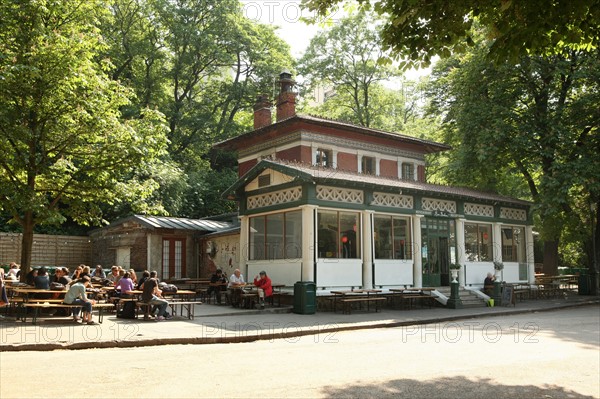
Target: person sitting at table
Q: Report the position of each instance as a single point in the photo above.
(133, 276)
(77, 296)
(152, 295)
(125, 286)
(145, 276)
(488, 284)
(77, 273)
(114, 274)
(236, 281)
(99, 272)
(265, 289)
(29, 279)
(119, 277)
(85, 271)
(3, 296)
(64, 278)
(218, 284)
(42, 280)
(13, 272)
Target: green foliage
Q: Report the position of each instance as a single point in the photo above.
(62, 134)
(419, 30)
(66, 148)
(526, 130)
(344, 58)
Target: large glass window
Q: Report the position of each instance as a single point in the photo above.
(513, 244)
(338, 234)
(478, 242)
(392, 237)
(276, 236)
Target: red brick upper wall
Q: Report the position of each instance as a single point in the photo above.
(388, 168)
(348, 162)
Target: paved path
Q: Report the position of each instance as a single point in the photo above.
(221, 324)
(551, 354)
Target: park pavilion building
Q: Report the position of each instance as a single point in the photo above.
(348, 206)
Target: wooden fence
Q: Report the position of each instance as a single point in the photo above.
(48, 250)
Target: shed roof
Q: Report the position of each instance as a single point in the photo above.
(165, 222)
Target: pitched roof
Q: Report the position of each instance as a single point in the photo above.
(238, 141)
(321, 175)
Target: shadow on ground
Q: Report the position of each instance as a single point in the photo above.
(456, 387)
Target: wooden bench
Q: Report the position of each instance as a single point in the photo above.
(187, 306)
(43, 305)
(347, 302)
(412, 298)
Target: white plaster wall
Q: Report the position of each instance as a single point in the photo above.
(227, 257)
(393, 272)
(339, 273)
(280, 271)
(510, 274)
(475, 272)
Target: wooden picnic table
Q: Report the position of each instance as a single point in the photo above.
(347, 297)
(413, 294)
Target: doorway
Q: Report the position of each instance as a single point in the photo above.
(438, 248)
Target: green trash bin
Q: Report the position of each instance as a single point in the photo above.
(584, 284)
(305, 297)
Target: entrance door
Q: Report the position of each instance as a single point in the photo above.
(437, 245)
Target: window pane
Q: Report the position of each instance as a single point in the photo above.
(166, 257)
(519, 236)
(274, 247)
(402, 240)
(485, 236)
(293, 235)
(349, 235)
(383, 237)
(327, 234)
(178, 257)
(471, 251)
(257, 238)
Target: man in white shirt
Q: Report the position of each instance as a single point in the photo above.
(236, 282)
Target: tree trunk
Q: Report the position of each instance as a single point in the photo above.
(27, 244)
(550, 258)
(595, 252)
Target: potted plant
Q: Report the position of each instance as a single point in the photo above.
(498, 267)
(454, 268)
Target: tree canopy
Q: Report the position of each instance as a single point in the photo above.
(419, 30)
(66, 147)
(537, 119)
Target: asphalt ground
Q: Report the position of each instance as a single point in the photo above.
(224, 324)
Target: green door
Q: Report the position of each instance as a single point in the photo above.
(437, 246)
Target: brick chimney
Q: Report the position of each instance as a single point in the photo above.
(262, 112)
(286, 102)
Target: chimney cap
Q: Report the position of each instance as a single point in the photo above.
(285, 75)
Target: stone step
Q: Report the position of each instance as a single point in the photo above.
(468, 299)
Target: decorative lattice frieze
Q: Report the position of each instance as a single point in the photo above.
(479, 210)
(513, 214)
(274, 198)
(340, 195)
(393, 200)
(430, 204)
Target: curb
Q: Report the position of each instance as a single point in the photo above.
(276, 335)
